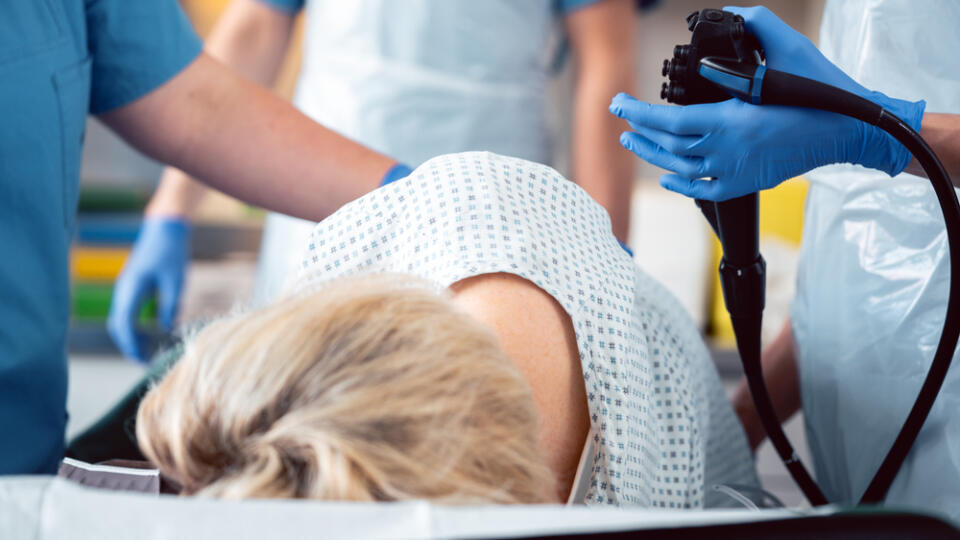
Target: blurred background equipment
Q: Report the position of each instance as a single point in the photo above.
(107, 222)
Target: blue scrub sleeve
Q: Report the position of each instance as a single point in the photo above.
(136, 46)
(566, 6)
(287, 6)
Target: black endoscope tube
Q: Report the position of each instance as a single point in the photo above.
(742, 279)
(748, 343)
(950, 207)
(787, 89)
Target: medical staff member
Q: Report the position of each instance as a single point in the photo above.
(874, 274)
(413, 79)
(139, 66)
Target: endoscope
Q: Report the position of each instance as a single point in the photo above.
(721, 61)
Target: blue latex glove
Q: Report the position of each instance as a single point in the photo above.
(747, 148)
(157, 263)
(397, 172)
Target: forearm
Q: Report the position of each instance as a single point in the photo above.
(603, 38)
(600, 165)
(252, 40)
(781, 376)
(177, 195)
(942, 133)
(241, 139)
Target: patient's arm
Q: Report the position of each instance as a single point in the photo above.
(537, 334)
(782, 379)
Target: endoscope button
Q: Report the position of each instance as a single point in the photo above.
(713, 15)
(737, 31)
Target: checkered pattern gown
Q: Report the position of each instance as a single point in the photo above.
(663, 429)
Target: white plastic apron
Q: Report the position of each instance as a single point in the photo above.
(873, 277)
(414, 79)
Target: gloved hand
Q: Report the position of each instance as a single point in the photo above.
(158, 262)
(398, 172)
(787, 50)
(746, 147)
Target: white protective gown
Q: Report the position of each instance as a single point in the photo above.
(419, 78)
(874, 272)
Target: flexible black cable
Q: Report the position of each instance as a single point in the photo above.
(743, 280)
(747, 81)
(950, 207)
(696, 77)
(786, 89)
(747, 331)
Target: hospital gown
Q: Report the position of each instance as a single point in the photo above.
(663, 430)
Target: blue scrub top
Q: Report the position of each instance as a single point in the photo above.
(59, 61)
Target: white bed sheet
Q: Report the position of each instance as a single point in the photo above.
(51, 508)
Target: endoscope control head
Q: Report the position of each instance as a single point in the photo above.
(718, 35)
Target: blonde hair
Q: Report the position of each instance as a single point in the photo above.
(369, 389)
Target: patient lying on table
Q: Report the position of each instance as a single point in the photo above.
(473, 333)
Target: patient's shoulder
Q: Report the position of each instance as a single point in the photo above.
(526, 318)
(537, 334)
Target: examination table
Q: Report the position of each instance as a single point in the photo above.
(40, 508)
